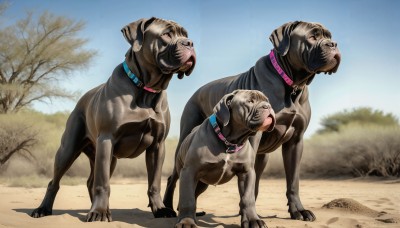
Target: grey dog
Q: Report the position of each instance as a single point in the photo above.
(125, 116)
(301, 50)
(219, 149)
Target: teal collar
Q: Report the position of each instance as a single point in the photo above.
(136, 80)
(230, 147)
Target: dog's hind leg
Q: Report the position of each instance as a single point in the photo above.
(169, 192)
(192, 116)
(259, 166)
(154, 161)
(90, 153)
(72, 143)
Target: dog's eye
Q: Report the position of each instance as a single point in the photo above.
(316, 35)
(167, 34)
(251, 101)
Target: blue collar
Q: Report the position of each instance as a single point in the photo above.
(136, 80)
(230, 147)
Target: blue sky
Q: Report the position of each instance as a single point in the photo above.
(230, 36)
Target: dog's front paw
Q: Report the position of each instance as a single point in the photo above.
(40, 212)
(186, 223)
(305, 215)
(258, 223)
(164, 213)
(104, 216)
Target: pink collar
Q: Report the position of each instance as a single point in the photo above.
(274, 62)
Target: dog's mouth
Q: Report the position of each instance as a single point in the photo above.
(336, 62)
(187, 67)
(181, 61)
(326, 58)
(328, 64)
(268, 123)
(263, 121)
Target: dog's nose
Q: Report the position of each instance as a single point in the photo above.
(266, 106)
(187, 43)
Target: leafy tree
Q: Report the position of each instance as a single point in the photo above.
(362, 116)
(35, 54)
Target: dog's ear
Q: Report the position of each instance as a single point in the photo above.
(222, 109)
(280, 37)
(134, 32)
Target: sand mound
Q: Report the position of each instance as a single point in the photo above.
(350, 205)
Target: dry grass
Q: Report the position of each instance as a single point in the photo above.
(354, 151)
(37, 172)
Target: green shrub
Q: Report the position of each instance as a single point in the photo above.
(360, 116)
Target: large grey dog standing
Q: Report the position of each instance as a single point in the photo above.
(126, 116)
(217, 150)
(301, 50)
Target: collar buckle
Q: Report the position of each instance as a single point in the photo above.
(231, 149)
(295, 88)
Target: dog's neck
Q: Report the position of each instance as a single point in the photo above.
(235, 135)
(300, 77)
(136, 80)
(152, 77)
(232, 133)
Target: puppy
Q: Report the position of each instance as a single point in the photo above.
(219, 149)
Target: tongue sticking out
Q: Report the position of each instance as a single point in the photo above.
(267, 122)
(187, 67)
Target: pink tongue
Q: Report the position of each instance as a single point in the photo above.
(267, 122)
(186, 65)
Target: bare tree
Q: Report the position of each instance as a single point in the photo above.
(16, 139)
(35, 54)
(3, 7)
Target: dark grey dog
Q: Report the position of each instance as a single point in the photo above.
(219, 149)
(301, 50)
(125, 116)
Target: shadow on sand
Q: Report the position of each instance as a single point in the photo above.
(142, 218)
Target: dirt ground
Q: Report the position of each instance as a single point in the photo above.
(363, 203)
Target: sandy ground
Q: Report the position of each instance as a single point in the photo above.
(128, 203)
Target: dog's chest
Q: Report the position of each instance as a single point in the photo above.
(143, 129)
(289, 120)
(222, 169)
